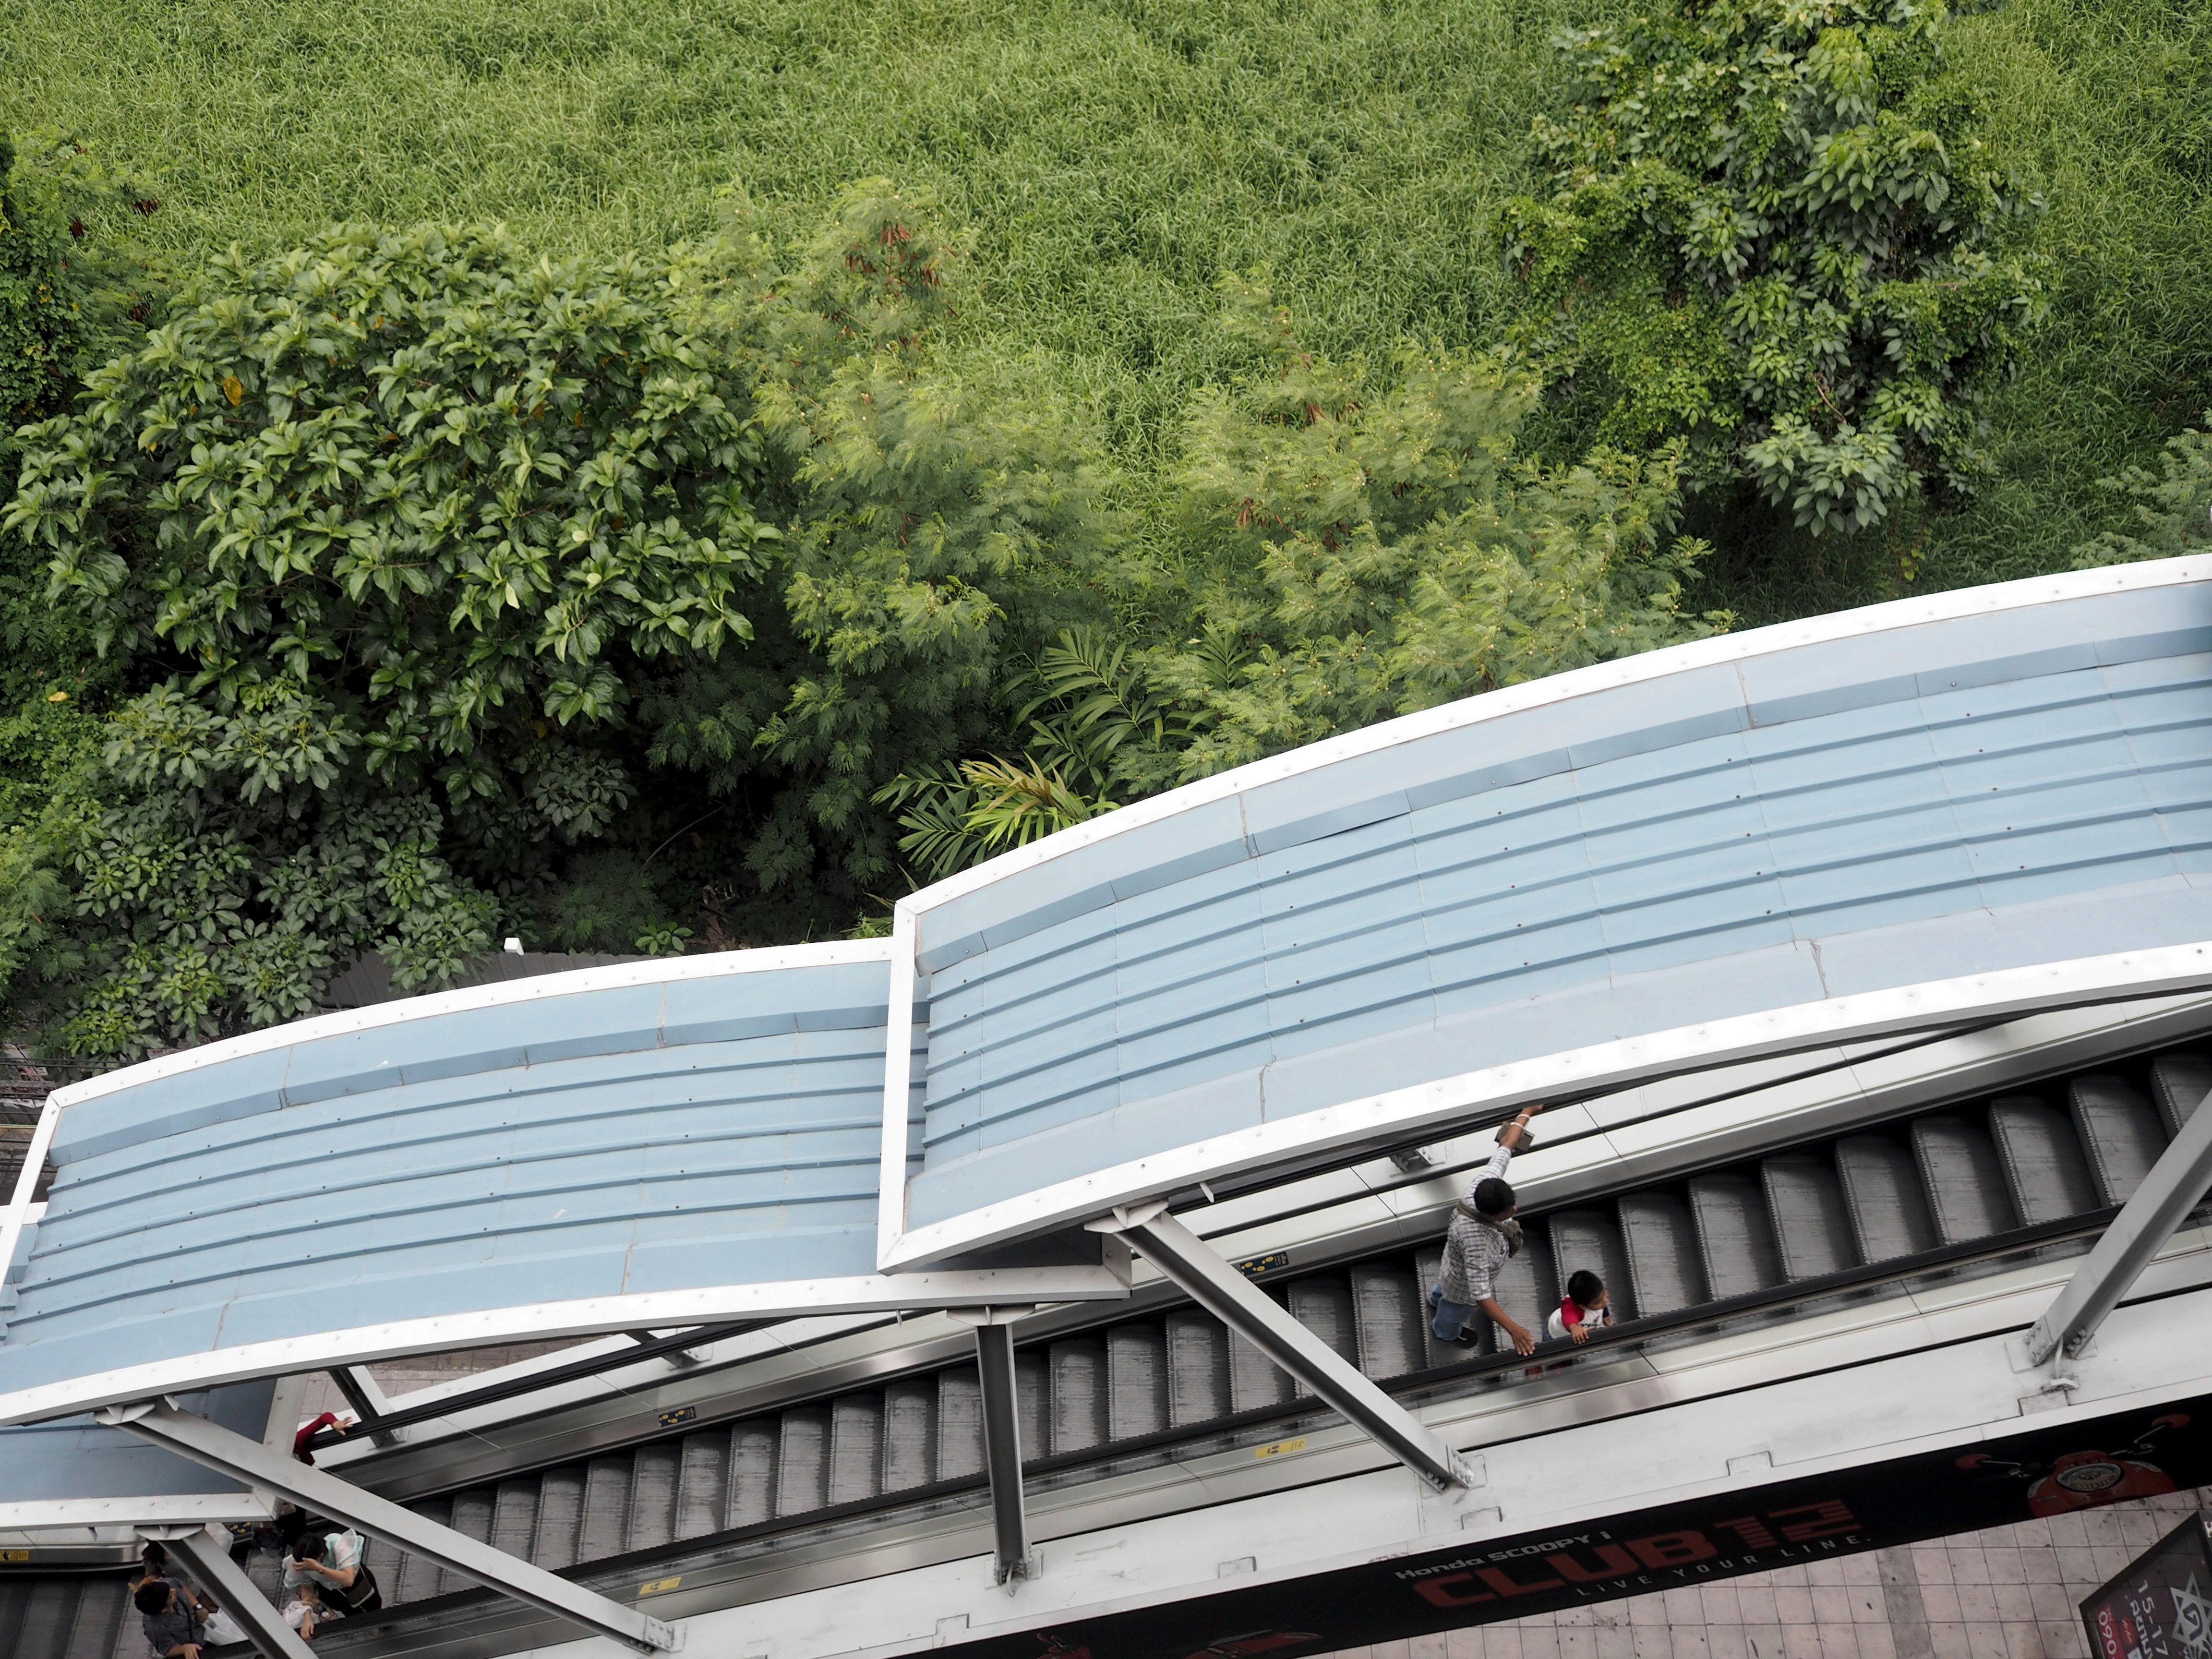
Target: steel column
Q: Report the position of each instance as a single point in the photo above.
(218, 1448)
(1234, 1300)
(2145, 1222)
(207, 1554)
(1002, 1450)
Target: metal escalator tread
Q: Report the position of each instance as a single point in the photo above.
(513, 1518)
(2119, 1133)
(959, 1423)
(419, 1575)
(100, 1627)
(1197, 1367)
(1079, 1397)
(2044, 1170)
(1586, 1239)
(1884, 1197)
(1527, 1288)
(1967, 1196)
(1255, 1380)
(42, 1624)
(1660, 1243)
(1387, 1304)
(1323, 1303)
(749, 1491)
(267, 1571)
(909, 1433)
(2180, 1083)
(653, 1496)
(1136, 1380)
(1428, 1269)
(607, 1508)
(1812, 1230)
(1735, 1237)
(560, 1517)
(1033, 1400)
(856, 1447)
(802, 1461)
(701, 1475)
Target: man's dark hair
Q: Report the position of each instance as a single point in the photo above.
(153, 1595)
(1493, 1197)
(1584, 1286)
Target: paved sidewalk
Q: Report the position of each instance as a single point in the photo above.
(2008, 1594)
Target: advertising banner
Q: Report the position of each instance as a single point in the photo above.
(2053, 1471)
(2161, 1607)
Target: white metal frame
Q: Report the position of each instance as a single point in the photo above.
(900, 1248)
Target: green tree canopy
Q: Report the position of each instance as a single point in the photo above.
(1772, 229)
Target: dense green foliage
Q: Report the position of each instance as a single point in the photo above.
(913, 532)
(1774, 231)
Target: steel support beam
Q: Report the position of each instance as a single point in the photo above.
(205, 1553)
(366, 1395)
(1002, 1442)
(1238, 1303)
(2141, 1229)
(218, 1448)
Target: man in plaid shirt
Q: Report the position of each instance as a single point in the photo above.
(1483, 1235)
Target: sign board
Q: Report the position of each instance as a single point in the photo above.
(2161, 1607)
(1473, 1581)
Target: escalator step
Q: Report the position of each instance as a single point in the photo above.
(1197, 1367)
(1387, 1304)
(1660, 1243)
(2179, 1084)
(1812, 1230)
(959, 1423)
(1255, 1380)
(559, 1518)
(472, 1519)
(2048, 1176)
(856, 1447)
(1323, 1303)
(1586, 1239)
(2119, 1133)
(95, 1631)
(802, 1463)
(1136, 1381)
(1033, 1398)
(1428, 1269)
(418, 1575)
(513, 1519)
(748, 1497)
(1078, 1396)
(909, 1433)
(42, 1624)
(701, 1477)
(1735, 1237)
(1966, 1193)
(1529, 1288)
(653, 1496)
(1882, 1191)
(607, 1508)
(267, 1572)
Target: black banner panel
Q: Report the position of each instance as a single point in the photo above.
(2054, 1471)
(2161, 1607)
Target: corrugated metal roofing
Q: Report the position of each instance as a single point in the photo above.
(2018, 787)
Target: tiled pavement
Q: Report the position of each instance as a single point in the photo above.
(2008, 1594)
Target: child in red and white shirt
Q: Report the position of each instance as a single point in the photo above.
(1582, 1311)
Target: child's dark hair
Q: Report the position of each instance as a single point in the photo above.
(1584, 1286)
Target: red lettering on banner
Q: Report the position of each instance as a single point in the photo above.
(1438, 1590)
(1505, 1584)
(1829, 1520)
(1616, 1563)
(1754, 1536)
(1673, 1549)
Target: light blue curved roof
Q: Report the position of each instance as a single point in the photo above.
(1911, 793)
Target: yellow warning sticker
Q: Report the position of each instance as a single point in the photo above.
(660, 1586)
(15, 1555)
(1276, 1448)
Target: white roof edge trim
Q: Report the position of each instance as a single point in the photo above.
(898, 1076)
(658, 970)
(1619, 1064)
(35, 1514)
(1891, 616)
(593, 1316)
(20, 1212)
